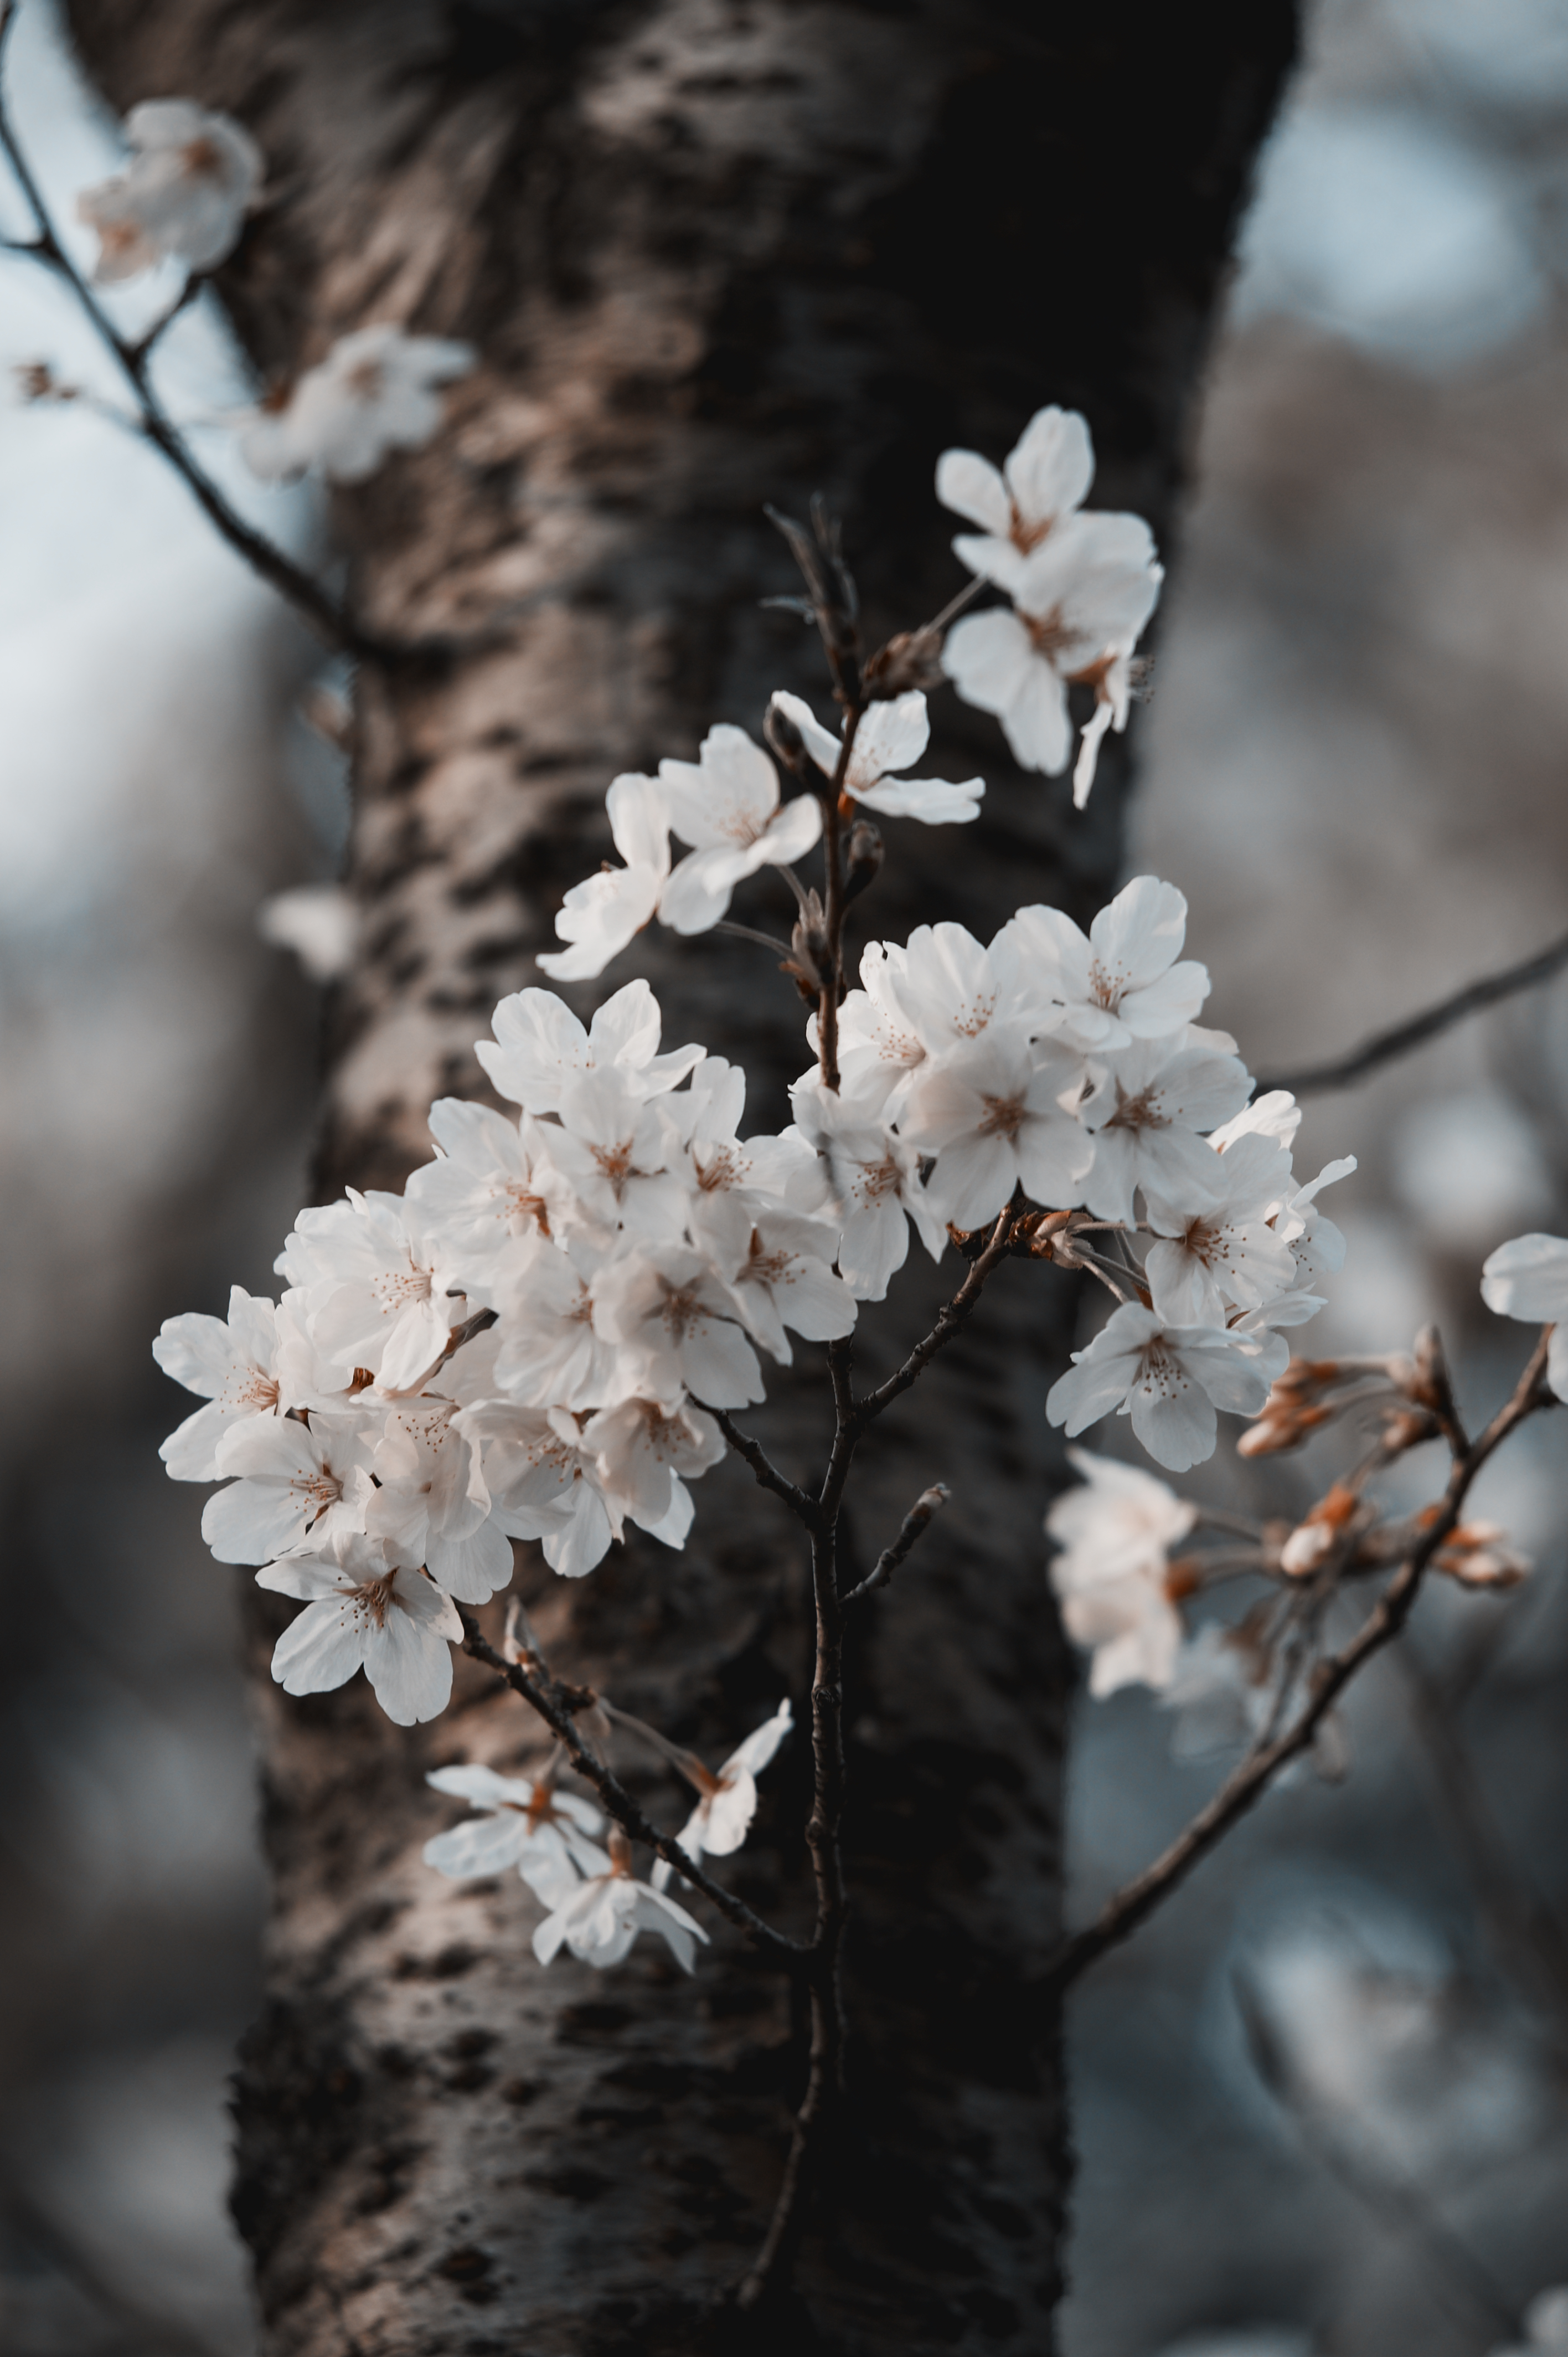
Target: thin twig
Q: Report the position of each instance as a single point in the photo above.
(545, 1696)
(750, 934)
(926, 1504)
(951, 1320)
(1384, 1046)
(802, 1506)
(1138, 1899)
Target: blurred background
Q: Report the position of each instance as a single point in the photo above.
(1321, 2106)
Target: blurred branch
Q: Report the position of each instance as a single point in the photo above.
(1137, 1900)
(1387, 2193)
(1386, 1047)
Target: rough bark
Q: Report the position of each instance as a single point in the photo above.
(714, 253)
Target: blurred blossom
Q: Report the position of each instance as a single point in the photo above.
(1470, 1169)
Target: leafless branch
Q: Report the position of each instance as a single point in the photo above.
(554, 1704)
(1137, 1901)
(951, 1320)
(803, 1507)
(926, 1504)
(1386, 1047)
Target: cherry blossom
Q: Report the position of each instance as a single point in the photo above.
(890, 737)
(722, 1818)
(294, 1479)
(665, 1302)
(734, 1181)
(1276, 1116)
(547, 1351)
(1169, 1379)
(432, 1500)
(192, 177)
(233, 1364)
(1527, 1278)
(522, 1823)
(879, 1044)
(1046, 477)
(540, 1045)
(488, 1188)
(599, 1918)
(1121, 981)
(1225, 1256)
(876, 1176)
(366, 1609)
(783, 1278)
(956, 990)
(1223, 1690)
(601, 915)
(543, 1483)
(376, 1297)
(1000, 1116)
(1317, 1246)
(1081, 599)
(1146, 1113)
(1112, 1574)
(726, 803)
(621, 1152)
(647, 1450)
(374, 392)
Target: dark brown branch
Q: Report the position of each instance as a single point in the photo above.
(552, 1702)
(950, 1322)
(802, 1506)
(926, 1504)
(1136, 1901)
(1384, 1046)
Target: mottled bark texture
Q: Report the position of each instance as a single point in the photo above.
(712, 253)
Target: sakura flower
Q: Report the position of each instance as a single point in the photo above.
(722, 1818)
(1225, 1256)
(879, 1045)
(1317, 1246)
(599, 1918)
(432, 1500)
(523, 1824)
(549, 1353)
(890, 735)
(734, 1181)
(543, 1483)
(620, 1154)
(1112, 1576)
(294, 1479)
(600, 916)
(374, 392)
(233, 1364)
(1121, 981)
(192, 177)
(540, 1045)
(1276, 1116)
(1046, 477)
(1223, 1691)
(365, 1609)
(1000, 1116)
(664, 1304)
(646, 1451)
(1527, 1278)
(1169, 1379)
(1082, 596)
(876, 1176)
(487, 1191)
(726, 803)
(957, 991)
(784, 1278)
(376, 1297)
(1146, 1114)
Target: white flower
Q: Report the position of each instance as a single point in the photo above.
(879, 1045)
(722, 1818)
(1082, 596)
(1527, 1278)
(876, 1176)
(375, 1295)
(1169, 1379)
(955, 990)
(233, 1366)
(487, 1193)
(320, 922)
(734, 1181)
(548, 1353)
(543, 1483)
(540, 1046)
(1223, 1690)
(890, 735)
(433, 1503)
(1046, 478)
(726, 803)
(375, 392)
(1146, 1113)
(192, 178)
(1112, 1576)
(783, 1276)
(1276, 1116)
(1317, 1245)
(663, 1303)
(646, 1451)
(599, 1918)
(524, 1824)
(1225, 1256)
(294, 1479)
(998, 1114)
(1545, 2327)
(1120, 982)
(600, 916)
(365, 1609)
(621, 1155)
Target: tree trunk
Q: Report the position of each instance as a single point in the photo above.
(714, 253)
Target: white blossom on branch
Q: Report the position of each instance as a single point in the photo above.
(193, 177)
